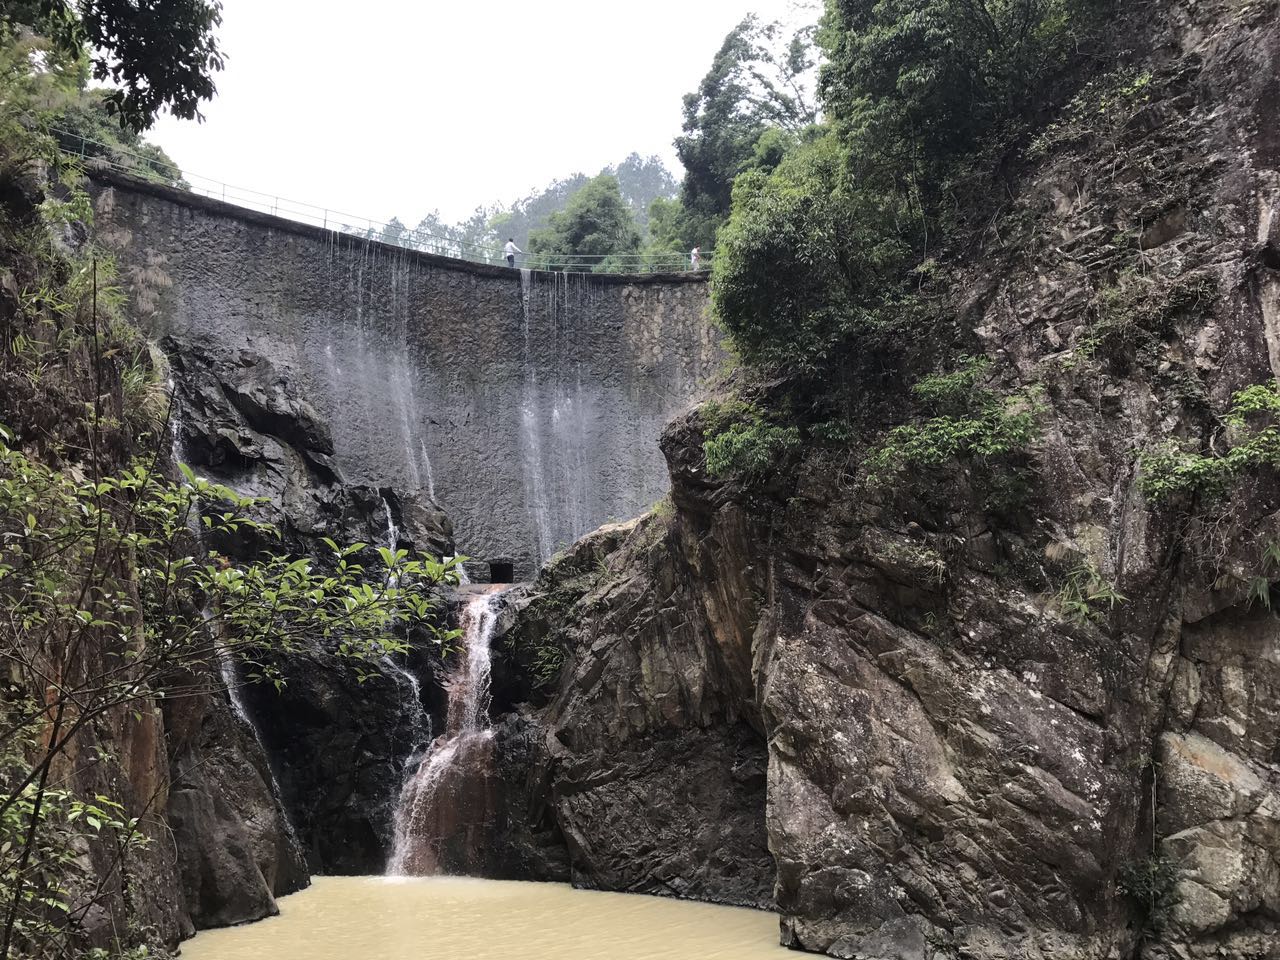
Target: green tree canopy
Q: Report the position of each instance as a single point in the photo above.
(158, 54)
(595, 226)
(756, 86)
(925, 97)
(914, 85)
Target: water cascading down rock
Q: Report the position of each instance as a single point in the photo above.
(448, 802)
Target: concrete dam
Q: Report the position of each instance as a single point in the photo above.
(526, 405)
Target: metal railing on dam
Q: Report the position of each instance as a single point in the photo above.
(395, 234)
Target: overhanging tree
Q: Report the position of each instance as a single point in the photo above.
(157, 54)
(757, 86)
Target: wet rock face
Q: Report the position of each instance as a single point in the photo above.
(340, 747)
(528, 407)
(242, 421)
(236, 851)
(338, 743)
(219, 850)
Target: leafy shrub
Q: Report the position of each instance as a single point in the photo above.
(719, 415)
(994, 432)
(546, 662)
(1086, 596)
(1104, 103)
(1153, 885)
(836, 433)
(953, 390)
(1171, 469)
(750, 450)
(969, 421)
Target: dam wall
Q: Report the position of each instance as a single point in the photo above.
(526, 405)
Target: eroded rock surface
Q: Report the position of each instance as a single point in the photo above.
(236, 851)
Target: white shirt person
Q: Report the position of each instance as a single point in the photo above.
(510, 251)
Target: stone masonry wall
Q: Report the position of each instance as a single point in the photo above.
(527, 405)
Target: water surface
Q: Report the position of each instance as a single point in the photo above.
(452, 918)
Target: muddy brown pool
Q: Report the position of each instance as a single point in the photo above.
(450, 918)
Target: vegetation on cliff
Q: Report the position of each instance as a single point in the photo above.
(753, 106)
(927, 105)
(115, 595)
(832, 266)
(50, 86)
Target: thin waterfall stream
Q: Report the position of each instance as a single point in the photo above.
(535, 475)
(446, 802)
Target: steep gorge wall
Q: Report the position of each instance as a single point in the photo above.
(957, 767)
(528, 406)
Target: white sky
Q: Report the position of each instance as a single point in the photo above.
(395, 107)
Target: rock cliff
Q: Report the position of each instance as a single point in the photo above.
(217, 848)
(961, 762)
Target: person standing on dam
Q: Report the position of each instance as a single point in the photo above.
(510, 250)
(695, 258)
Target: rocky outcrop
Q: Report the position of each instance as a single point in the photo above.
(241, 420)
(235, 848)
(340, 741)
(961, 763)
(218, 847)
(653, 763)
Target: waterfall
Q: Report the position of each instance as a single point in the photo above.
(533, 468)
(431, 476)
(393, 532)
(534, 473)
(226, 663)
(446, 804)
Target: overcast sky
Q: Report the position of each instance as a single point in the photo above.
(386, 108)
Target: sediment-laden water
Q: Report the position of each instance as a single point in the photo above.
(447, 918)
